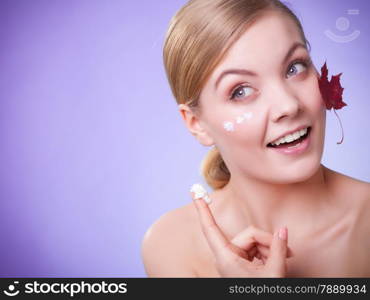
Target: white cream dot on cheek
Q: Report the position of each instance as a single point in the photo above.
(229, 126)
(248, 115)
(239, 119)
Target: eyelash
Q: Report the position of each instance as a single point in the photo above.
(304, 61)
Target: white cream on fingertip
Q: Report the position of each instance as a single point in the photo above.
(200, 192)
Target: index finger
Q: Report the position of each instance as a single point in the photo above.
(213, 234)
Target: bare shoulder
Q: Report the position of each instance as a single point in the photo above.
(165, 247)
(354, 193)
(347, 185)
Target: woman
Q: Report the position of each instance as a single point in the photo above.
(241, 73)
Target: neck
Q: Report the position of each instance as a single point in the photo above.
(269, 206)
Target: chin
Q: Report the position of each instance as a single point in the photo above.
(299, 172)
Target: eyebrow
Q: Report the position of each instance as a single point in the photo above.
(251, 73)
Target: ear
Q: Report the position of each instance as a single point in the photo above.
(195, 126)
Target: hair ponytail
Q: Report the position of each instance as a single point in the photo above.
(214, 169)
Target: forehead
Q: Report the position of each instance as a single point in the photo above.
(266, 41)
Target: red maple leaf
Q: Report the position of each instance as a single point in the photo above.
(332, 90)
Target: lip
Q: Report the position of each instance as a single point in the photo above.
(289, 132)
(298, 149)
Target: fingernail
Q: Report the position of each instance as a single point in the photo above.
(283, 234)
(200, 192)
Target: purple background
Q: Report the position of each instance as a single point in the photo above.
(93, 149)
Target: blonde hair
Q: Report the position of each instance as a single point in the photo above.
(198, 37)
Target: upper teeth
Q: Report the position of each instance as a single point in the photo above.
(290, 137)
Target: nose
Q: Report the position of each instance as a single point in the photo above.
(284, 104)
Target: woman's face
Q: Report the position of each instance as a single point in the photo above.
(243, 111)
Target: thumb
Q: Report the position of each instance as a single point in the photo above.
(278, 253)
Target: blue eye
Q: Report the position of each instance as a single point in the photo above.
(239, 92)
(293, 70)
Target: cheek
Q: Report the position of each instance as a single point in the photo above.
(238, 131)
(312, 96)
(239, 136)
(231, 128)
(238, 122)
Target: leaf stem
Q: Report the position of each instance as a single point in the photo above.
(340, 122)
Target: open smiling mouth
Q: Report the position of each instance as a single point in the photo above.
(293, 143)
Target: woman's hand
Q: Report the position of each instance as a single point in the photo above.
(234, 258)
